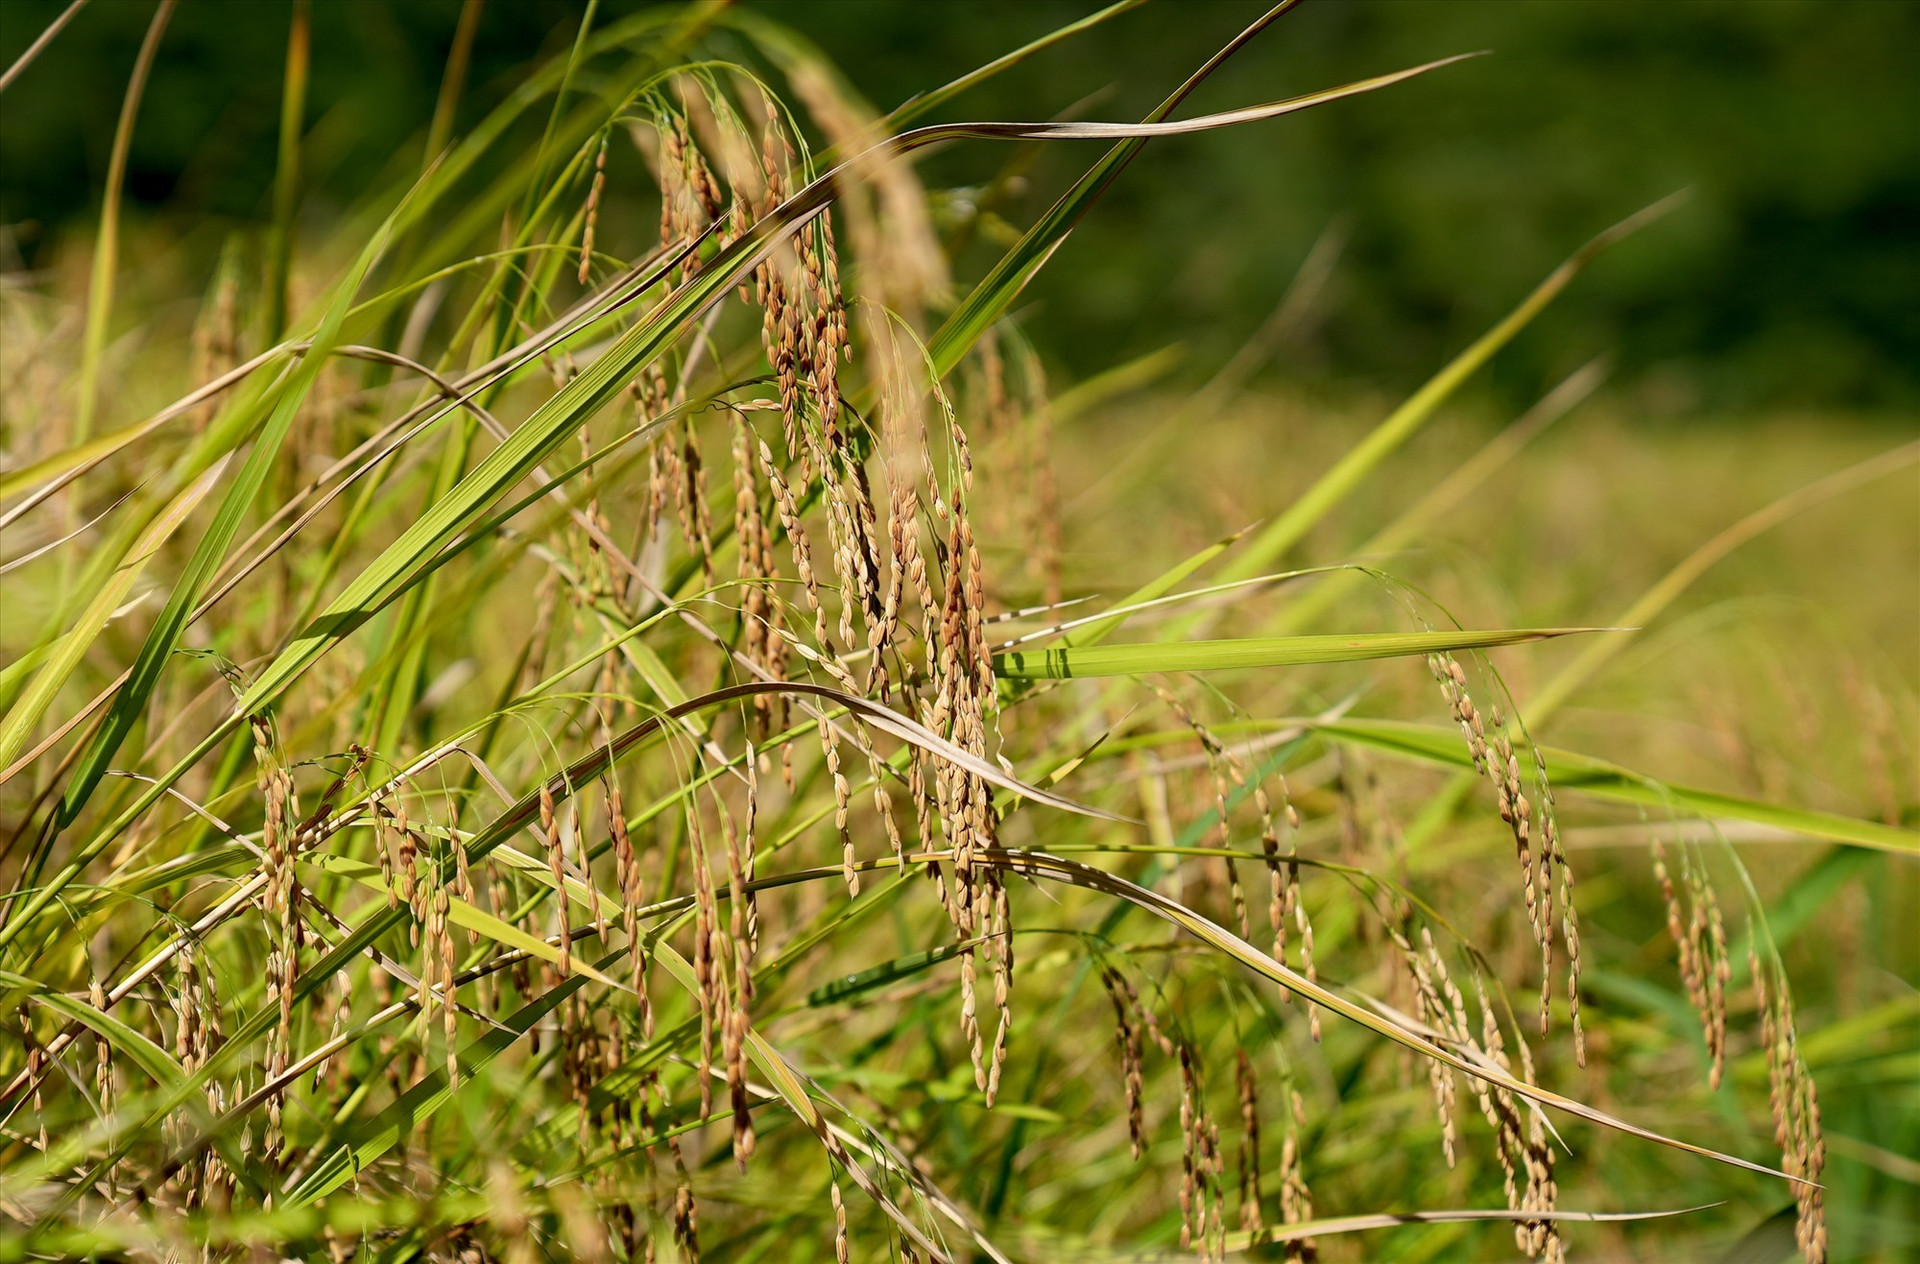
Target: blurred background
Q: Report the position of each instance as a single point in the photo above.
(1787, 281)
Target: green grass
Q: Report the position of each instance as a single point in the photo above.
(519, 744)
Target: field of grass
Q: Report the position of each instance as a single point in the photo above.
(595, 704)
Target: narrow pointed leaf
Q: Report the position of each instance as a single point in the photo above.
(1069, 662)
(1584, 774)
(1036, 864)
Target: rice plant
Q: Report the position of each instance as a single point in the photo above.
(540, 729)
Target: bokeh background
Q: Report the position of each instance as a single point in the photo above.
(1787, 281)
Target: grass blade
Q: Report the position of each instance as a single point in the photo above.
(1586, 775)
(1068, 662)
(1286, 531)
(66, 653)
(130, 703)
(106, 250)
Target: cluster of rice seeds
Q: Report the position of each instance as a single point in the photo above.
(963, 695)
(439, 963)
(400, 871)
(1439, 1004)
(592, 215)
(1296, 1200)
(278, 899)
(102, 1050)
(707, 968)
(905, 456)
(1249, 1165)
(198, 1033)
(905, 435)
(904, 265)
(804, 329)
(1522, 1149)
(628, 874)
(1700, 936)
(805, 335)
(1202, 1203)
(955, 703)
(597, 1060)
(37, 1063)
(787, 507)
(722, 959)
(591, 1048)
(656, 1120)
(760, 614)
(555, 847)
(690, 200)
(780, 313)
(690, 197)
(1128, 1037)
(1287, 900)
(1554, 855)
(743, 937)
(1283, 877)
(1491, 747)
(690, 497)
(1795, 1106)
(1219, 761)
(1284, 903)
(842, 1243)
(999, 939)
(103, 1078)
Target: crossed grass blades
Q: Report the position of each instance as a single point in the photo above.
(485, 854)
